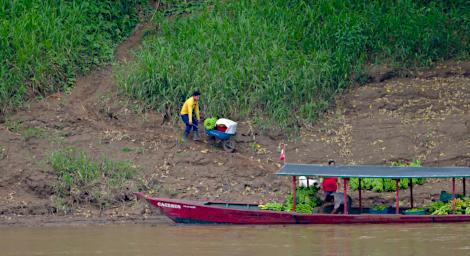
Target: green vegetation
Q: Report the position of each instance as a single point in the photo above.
(283, 62)
(82, 179)
(462, 206)
(387, 185)
(435, 206)
(306, 200)
(32, 132)
(16, 126)
(179, 7)
(13, 125)
(44, 43)
(271, 206)
(209, 123)
(379, 207)
(415, 210)
(127, 149)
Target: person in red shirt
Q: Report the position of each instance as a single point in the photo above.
(329, 184)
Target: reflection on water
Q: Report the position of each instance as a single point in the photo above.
(423, 239)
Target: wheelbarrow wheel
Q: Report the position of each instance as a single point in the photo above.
(212, 141)
(229, 145)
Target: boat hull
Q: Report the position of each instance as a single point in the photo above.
(234, 213)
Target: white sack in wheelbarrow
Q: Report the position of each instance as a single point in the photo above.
(231, 125)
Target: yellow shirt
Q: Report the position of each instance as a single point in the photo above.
(188, 107)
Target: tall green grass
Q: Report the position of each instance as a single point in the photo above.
(284, 61)
(45, 43)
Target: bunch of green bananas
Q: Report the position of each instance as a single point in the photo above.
(444, 210)
(271, 206)
(304, 208)
(461, 207)
(209, 123)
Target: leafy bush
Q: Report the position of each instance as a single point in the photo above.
(283, 62)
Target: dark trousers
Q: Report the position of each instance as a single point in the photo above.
(188, 126)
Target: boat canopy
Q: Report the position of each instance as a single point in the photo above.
(372, 171)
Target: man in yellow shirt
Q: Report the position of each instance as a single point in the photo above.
(190, 115)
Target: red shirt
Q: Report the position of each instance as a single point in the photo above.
(329, 184)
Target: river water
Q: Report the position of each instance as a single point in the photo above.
(167, 239)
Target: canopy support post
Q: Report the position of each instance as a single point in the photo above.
(360, 196)
(345, 202)
(411, 192)
(453, 195)
(294, 193)
(463, 185)
(397, 202)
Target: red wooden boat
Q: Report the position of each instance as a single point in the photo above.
(182, 211)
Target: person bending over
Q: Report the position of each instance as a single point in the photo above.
(190, 116)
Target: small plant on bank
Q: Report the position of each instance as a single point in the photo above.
(126, 149)
(83, 179)
(32, 132)
(13, 125)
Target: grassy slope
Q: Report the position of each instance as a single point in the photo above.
(284, 61)
(43, 44)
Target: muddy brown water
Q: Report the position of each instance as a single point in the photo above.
(163, 239)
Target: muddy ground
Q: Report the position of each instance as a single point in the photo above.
(398, 115)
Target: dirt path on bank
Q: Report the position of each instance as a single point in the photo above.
(423, 116)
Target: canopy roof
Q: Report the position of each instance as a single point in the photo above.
(373, 171)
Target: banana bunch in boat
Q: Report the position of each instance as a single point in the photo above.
(304, 208)
(271, 206)
(461, 207)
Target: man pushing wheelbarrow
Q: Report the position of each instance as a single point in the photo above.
(222, 130)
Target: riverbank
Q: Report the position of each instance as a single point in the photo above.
(392, 120)
(400, 115)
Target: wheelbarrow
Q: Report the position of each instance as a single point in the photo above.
(222, 138)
